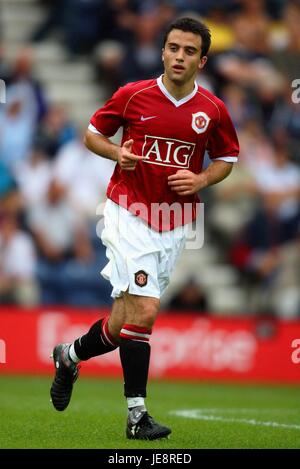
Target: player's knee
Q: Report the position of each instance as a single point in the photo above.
(147, 314)
(114, 329)
(115, 333)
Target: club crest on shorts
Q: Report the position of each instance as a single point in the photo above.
(200, 121)
(141, 278)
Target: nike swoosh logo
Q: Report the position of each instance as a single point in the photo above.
(147, 118)
(133, 430)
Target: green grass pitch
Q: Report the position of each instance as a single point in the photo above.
(201, 415)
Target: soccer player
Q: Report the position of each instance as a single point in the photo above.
(168, 123)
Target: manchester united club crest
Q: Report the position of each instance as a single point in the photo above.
(200, 121)
(141, 278)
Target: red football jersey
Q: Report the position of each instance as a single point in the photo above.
(171, 135)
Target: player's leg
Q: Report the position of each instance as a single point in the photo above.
(102, 337)
(141, 313)
(139, 263)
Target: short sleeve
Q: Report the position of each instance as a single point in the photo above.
(108, 119)
(223, 143)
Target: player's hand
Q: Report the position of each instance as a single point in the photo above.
(185, 182)
(126, 159)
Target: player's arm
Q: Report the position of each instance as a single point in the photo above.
(185, 182)
(102, 146)
(223, 149)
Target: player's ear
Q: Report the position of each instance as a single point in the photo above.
(162, 54)
(202, 62)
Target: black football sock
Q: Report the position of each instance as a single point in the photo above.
(135, 358)
(96, 342)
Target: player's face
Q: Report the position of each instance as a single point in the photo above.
(182, 56)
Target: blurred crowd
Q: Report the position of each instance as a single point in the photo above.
(51, 185)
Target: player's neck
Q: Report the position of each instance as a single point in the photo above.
(178, 91)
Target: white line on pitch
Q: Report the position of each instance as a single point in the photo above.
(203, 414)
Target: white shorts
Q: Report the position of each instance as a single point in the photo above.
(140, 259)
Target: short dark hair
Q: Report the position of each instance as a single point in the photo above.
(189, 25)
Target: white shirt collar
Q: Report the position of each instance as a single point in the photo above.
(176, 102)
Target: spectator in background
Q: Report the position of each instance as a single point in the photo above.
(108, 60)
(279, 186)
(55, 226)
(143, 58)
(190, 298)
(217, 20)
(83, 176)
(17, 264)
(257, 149)
(134, 47)
(16, 130)
(239, 105)
(119, 18)
(277, 216)
(10, 200)
(7, 183)
(262, 250)
(82, 284)
(33, 177)
(285, 53)
(284, 124)
(55, 130)
(24, 108)
(28, 87)
(79, 21)
(285, 298)
(247, 63)
(52, 20)
(82, 25)
(236, 198)
(5, 70)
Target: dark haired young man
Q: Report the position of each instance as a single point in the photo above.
(168, 123)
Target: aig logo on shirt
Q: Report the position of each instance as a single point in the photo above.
(167, 151)
(200, 122)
